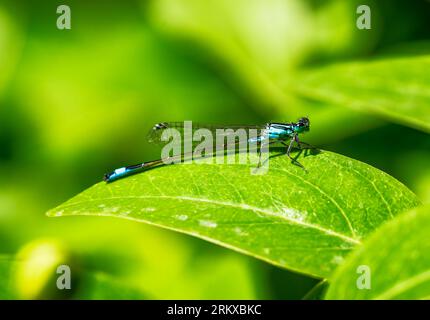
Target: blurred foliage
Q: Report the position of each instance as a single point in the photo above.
(76, 103)
(393, 87)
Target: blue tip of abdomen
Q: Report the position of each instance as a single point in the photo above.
(116, 174)
(123, 172)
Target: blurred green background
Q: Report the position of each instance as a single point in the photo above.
(75, 104)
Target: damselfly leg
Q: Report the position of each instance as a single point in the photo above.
(290, 147)
(262, 145)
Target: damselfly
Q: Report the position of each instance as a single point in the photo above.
(267, 134)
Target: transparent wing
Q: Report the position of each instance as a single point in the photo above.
(218, 132)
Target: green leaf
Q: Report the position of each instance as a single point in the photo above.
(397, 88)
(302, 221)
(398, 260)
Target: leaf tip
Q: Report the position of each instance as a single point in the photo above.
(54, 213)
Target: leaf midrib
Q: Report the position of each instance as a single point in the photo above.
(242, 206)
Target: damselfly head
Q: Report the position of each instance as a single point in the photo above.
(303, 124)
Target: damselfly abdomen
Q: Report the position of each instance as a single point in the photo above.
(264, 135)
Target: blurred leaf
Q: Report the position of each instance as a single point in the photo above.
(397, 88)
(90, 285)
(215, 276)
(317, 292)
(260, 41)
(397, 255)
(257, 46)
(302, 221)
(11, 42)
(98, 286)
(287, 285)
(35, 275)
(245, 35)
(6, 268)
(128, 87)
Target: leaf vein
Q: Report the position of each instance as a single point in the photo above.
(242, 206)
